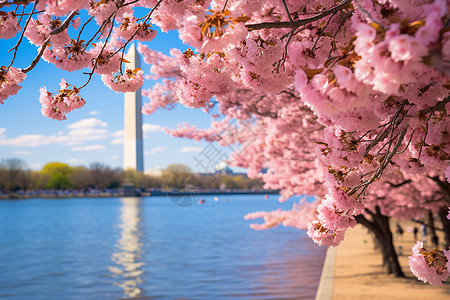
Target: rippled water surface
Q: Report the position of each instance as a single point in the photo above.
(148, 248)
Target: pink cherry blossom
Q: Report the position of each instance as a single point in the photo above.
(130, 27)
(425, 270)
(63, 7)
(56, 106)
(71, 57)
(130, 81)
(105, 62)
(9, 80)
(39, 30)
(324, 236)
(9, 25)
(297, 217)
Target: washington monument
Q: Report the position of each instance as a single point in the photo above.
(133, 145)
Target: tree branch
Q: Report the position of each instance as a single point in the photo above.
(268, 25)
(383, 165)
(287, 11)
(16, 2)
(60, 29)
(21, 35)
(101, 52)
(395, 185)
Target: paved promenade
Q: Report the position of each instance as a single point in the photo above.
(357, 272)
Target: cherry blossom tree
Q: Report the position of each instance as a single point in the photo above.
(330, 97)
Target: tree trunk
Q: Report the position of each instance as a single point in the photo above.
(380, 227)
(432, 228)
(443, 212)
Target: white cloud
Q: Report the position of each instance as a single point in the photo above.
(86, 134)
(88, 123)
(147, 128)
(118, 133)
(190, 149)
(155, 150)
(33, 140)
(73, 137)
(94, 112)
(88, 148)
(117, 141)
(22, 152)
(79, 132)
(114, 157)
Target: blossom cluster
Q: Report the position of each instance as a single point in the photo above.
(56, 106)
(9, 79)
(430, 266)
(9, 25)
(130, 81)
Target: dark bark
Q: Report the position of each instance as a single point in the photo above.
(379, 225)
(432, 228)
(443, 212)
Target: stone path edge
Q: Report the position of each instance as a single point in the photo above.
(325, 289)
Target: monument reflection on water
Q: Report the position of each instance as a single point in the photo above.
(129, 266)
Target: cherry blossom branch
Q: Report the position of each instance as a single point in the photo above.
(254, 107)
(409, 143)
(333, 42)
(440, 106)
(101, 51)
(268, 25)
(366, 13)
(444, 186)
(134, 34)
(23, 10)
(16, 2)
(60, 29)
(225, 5)
(287, 11)
(384, 133)
(82, 28)
(426, 134)
(383, 165)
(395, 185)
(102, 27)
(320, 34)
(21, 35)
(26, 14)
(284, 56)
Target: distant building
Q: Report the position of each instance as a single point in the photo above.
(224, 170)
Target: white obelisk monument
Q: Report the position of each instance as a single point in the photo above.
(133, 157)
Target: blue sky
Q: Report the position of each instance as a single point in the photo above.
(92, 133)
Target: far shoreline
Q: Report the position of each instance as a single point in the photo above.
(69, 195)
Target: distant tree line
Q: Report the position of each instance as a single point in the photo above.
(15, 176)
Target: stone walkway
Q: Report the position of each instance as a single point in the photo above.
(358, 273)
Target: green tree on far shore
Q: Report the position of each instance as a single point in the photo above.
(58, 175)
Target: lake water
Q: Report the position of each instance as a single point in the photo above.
(148, 248)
